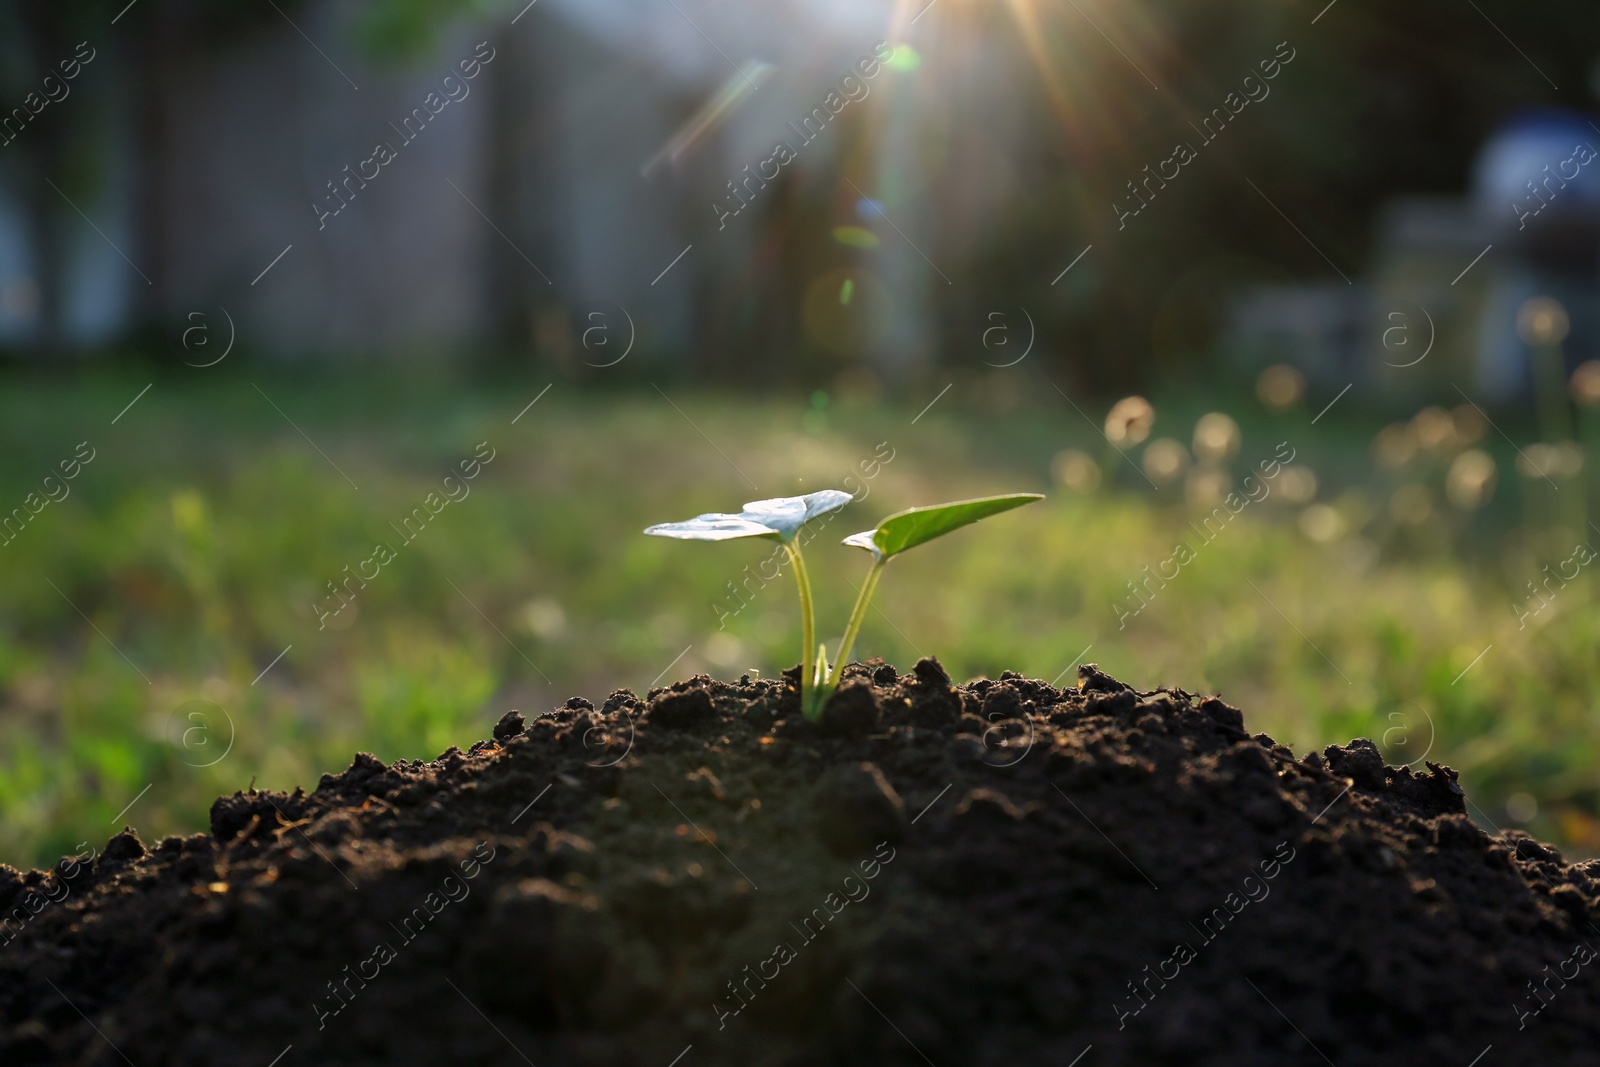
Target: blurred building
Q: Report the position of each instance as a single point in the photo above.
(1439, 303)
(570, 179)
(239, 153)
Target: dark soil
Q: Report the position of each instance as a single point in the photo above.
(995, 873)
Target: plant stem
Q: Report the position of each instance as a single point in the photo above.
(858, 615)
(808, 625)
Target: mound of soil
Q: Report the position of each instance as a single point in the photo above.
(993, 873)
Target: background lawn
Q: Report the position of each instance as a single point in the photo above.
(139, 614)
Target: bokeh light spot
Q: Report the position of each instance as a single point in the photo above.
(846, 328)
(855, 237)
(905, 59)
(869, 209)
(1280, 387)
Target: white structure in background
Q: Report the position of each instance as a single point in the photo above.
(1455, 270)
(526, 195)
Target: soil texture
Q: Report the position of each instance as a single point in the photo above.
(993, 873)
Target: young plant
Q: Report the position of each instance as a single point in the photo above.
(906, 529)
(777, 519)
(780, 519)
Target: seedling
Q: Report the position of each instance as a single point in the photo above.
(777, 519)
(900, 531)
(780, 519)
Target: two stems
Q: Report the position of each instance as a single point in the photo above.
(817, 678)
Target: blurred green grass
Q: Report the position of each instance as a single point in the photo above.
(192, 548)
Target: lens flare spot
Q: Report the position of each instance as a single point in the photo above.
(905, 59)
(846, 328)
(855, 237)
(869, 208)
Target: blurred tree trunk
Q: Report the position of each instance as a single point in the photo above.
(41, 37)
(157, 51)
(509, 308)
(47, 236)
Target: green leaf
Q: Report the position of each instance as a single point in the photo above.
(910, 528)
(778, 518)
